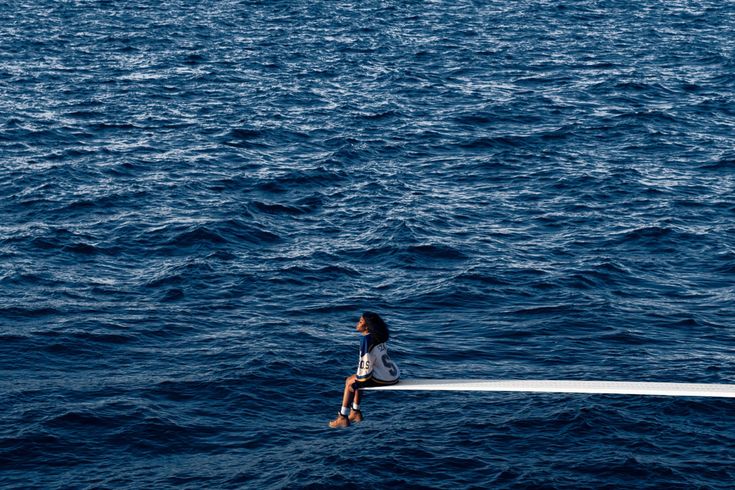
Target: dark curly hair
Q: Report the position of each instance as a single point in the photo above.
(376, 326)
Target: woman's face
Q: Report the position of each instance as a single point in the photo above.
(361, 326)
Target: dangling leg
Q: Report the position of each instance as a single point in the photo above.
(342, 420)
(356, 414)
(349, 392)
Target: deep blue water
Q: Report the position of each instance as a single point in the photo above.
(198, 199)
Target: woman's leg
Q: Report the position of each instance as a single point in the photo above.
(349, 391)
(342, 420)
(355, 413)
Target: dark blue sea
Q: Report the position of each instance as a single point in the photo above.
(198, 199)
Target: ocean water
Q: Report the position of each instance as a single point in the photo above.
(198, 200)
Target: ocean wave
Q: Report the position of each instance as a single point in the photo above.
(199, 201)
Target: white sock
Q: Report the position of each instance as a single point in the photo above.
(345, 411)
(355, 406)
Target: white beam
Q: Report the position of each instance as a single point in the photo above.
(566, 386)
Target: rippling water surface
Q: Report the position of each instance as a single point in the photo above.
(198, 199)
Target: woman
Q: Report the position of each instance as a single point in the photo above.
(375, 367)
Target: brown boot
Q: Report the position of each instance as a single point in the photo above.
(340, 422)
(355, 416)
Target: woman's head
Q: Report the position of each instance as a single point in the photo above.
(376, 326)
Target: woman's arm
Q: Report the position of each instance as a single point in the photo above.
(364, 366)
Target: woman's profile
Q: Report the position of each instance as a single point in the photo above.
(374, 368)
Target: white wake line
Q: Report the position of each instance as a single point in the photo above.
(565, 386)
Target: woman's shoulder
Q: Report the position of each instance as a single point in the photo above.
(366, 343)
